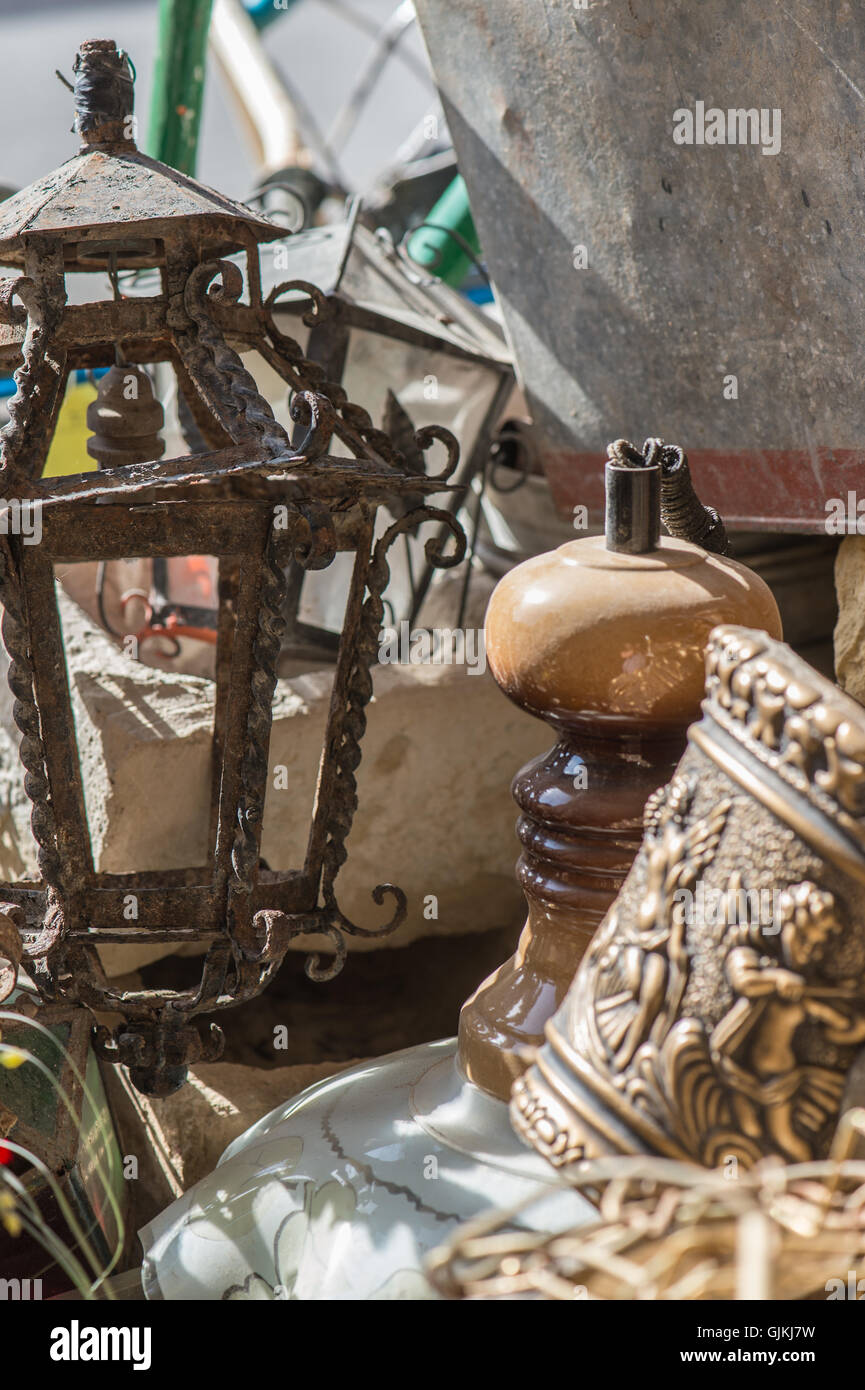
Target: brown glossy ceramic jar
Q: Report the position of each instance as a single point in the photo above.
(607, 646)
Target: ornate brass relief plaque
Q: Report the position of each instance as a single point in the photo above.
(721, 1006)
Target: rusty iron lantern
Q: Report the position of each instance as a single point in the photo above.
(256, 500)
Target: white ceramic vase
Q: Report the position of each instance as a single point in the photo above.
(342, 1192)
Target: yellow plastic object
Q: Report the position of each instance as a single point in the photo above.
(68, 452)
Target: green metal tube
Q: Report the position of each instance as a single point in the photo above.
(178, 82)
(436, 248)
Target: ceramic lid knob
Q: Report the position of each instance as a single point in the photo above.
(589, 635)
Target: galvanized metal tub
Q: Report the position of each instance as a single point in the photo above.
(638, 274)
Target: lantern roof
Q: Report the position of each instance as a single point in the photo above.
(112, 194)
(125, 197)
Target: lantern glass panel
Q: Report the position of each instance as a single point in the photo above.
(432, 387)
(64, 709)
(120, 716)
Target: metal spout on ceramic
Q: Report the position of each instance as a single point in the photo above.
(632, 521)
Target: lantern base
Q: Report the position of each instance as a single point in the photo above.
(344, 1191)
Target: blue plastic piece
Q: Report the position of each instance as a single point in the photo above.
(7, 383)
(264, 12)
(479, 294)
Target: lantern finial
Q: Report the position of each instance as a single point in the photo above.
(104, 94)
